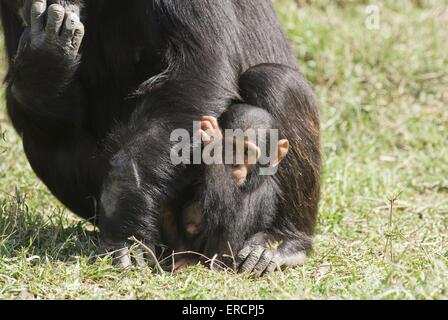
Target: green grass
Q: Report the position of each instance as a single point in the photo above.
(384, 101)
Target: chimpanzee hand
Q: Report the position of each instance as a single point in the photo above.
(126, 255)
(261, 255)
(210, 131)
(61, 35)
(47, 59)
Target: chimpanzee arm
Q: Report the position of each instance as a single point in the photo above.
(46, 102)
(44, 97)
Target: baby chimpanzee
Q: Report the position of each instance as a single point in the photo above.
(239, 185)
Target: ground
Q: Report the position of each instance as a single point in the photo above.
(383, 225)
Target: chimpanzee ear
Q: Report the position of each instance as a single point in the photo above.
(282, 151)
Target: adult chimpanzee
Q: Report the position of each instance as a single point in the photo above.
(96, 126)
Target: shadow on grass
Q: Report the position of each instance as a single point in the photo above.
(46, 235)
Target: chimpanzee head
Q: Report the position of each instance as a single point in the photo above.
(263, 151)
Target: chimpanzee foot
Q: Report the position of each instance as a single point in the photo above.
(63, 30)
(210, 130)
(260, 256)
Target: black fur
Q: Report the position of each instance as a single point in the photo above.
(148, 67)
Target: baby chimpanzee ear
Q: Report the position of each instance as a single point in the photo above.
(282, 151)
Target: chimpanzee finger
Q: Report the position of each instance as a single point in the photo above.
(77, 38)
(138, 255)
(206, 125)
(55, 19)
(242, 256)
(275, 264)
(38, 8)
(122, 259)
(203, 136)
(213, 121)
(252, 260)
(68, 30)
(272, 267)
(263, 263)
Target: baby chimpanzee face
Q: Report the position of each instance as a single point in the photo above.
(244, 163)
(242, 146)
